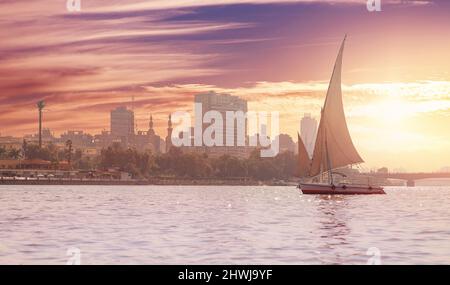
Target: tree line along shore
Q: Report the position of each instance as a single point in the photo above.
(173, 167)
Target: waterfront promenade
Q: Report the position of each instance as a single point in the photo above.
(151, 181)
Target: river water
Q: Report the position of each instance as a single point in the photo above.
(221, 225)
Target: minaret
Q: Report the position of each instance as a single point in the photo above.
(169, 134)
(151, 136)
(150, 124)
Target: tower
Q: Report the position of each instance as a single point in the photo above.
(153, 138)
(150, 125)
(132, 110)
(169, 134)
(308, 132)
(40, 105)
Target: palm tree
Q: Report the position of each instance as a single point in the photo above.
(24, 149)
(40, 105)
(14, 153)
(2, 151)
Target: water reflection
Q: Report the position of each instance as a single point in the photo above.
(220, 225)
(332, 227)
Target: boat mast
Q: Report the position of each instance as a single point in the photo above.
(330, 172)
(322, 146)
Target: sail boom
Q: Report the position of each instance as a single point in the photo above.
(333, 169)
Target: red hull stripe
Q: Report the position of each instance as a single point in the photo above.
(339, 189)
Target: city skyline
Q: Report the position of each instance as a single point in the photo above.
(106, 138)
(396, 81)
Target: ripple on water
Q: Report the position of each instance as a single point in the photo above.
(221, 224)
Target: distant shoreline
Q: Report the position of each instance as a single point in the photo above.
(156, 181)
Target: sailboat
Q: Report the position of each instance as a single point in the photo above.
(333, 148)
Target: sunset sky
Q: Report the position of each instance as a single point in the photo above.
(278, 55)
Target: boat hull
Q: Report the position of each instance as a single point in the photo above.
(327, 189)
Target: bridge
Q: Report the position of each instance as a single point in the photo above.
(410, 177)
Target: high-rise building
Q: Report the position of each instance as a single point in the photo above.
(122, 122)
(308, 132)
(222, 103)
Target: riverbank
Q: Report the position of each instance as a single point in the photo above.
(151, 181)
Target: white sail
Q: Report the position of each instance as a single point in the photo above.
(334, 147)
